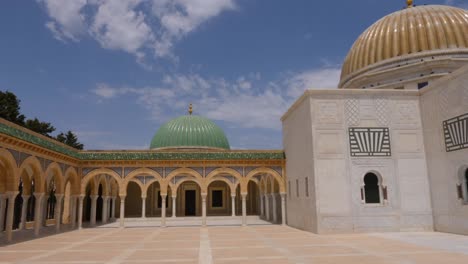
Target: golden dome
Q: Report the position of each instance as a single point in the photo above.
(412, 31)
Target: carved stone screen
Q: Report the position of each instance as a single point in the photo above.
(456, 133)
(369, 142)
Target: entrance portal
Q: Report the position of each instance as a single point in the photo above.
(190, 205)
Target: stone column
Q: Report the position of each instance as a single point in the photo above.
(45, 210)
(93, 209)
(143, 207)
(273, 204)
(174, 206)
(80, 211)
(2, 211)
(163, 210)
(203, 209)
(283, 209)
(233, 205)
(73, 211)
(122, 211)
(24, 210)
(267, 207)
(10, 214)
(244, 209)
(58, 211)
(113, 208)
(262, 206)
(37, 212)
(105, 211)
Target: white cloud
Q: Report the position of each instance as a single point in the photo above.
(244, 103)
(326, 78)
(138, 27)
(68, 21)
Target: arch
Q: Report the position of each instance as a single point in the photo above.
(266, 170)
(175, 187)
(463, 183)
(54, 171)
(37, 173)
(71, 175)
(9, 180)
(224, 170)
(102, 181)
(187, 171)
(372, 183)
(96, 172)
(141, 185)
(232, 186)
(148, 184)
(140, 172)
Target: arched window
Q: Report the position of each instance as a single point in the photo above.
(371, 189)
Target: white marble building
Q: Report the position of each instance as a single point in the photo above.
(391, 155)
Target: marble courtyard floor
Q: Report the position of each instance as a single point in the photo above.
(252, 244)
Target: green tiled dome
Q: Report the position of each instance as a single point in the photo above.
(190, 131)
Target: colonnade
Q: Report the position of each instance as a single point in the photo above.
(41, 206)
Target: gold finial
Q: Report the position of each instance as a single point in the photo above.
(409, 3)
(190, 109)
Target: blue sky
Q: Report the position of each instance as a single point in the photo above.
(114, 71)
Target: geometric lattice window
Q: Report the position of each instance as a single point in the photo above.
(369, 142)
(456, 133)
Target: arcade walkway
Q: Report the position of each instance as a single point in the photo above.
(251, 244)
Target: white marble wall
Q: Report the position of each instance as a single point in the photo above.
(442, 100)
(316, 142)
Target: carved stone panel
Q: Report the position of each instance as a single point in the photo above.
(369, 142)
(456, 133)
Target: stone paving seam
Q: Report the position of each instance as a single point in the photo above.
(286, 252)
(71, 245)
(204, 253)
(129, 251)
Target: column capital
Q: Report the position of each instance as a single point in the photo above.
(11, 194)
(233, 196)
(59, 196)
(38, 195)
(204, 195)
(163, 195)
(174, 196)
(143, 197)
(25, 196)
(94, 196)
(283, 195)
(122, 197)
(244, 195)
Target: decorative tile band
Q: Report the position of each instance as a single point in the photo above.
(138, 155)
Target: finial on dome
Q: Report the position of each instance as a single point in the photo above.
(190, 109)
(409, 3)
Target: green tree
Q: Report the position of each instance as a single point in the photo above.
(37, 126)
(10, 108)
(70, 139)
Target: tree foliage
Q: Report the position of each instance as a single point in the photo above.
(37, 126)
(10, 110)
(70, 139)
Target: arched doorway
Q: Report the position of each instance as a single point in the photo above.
(372, 189)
